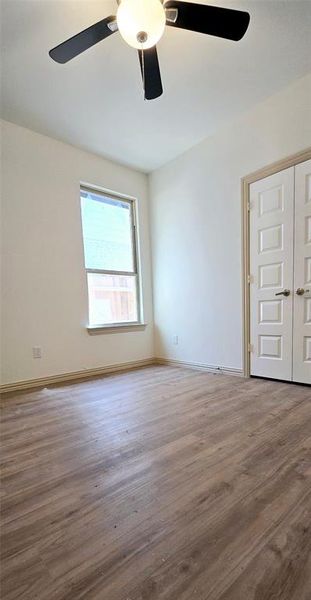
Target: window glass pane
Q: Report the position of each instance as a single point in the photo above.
(112, 298)
(107, 233)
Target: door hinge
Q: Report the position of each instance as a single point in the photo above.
(250, 348)
(250, 279)
(249, 206)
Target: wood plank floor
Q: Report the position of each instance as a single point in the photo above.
(159, 484)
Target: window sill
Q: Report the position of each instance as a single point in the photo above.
(116, 328)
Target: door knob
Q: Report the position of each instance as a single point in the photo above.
(300, 291)
(284, 293)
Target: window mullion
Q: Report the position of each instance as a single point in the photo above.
(110, 272)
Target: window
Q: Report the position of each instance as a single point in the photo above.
(109, 240)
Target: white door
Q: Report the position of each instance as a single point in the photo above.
(302, 275)
(271, 275)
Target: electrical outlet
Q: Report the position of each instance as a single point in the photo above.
(175, 340)
(37, 352)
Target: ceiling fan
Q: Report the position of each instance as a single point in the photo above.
(141, 23)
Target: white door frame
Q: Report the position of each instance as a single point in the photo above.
(280, 165)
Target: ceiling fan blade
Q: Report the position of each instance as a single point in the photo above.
(82, 41)
(213, 20)
(150, 72)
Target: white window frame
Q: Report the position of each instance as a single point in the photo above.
(127, 325)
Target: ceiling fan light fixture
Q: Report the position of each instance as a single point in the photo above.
(141, 23)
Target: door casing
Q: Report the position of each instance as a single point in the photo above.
(280, 165)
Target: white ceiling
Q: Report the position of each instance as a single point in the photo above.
(95, 101)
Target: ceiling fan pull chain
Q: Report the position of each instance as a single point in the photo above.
(143, 69)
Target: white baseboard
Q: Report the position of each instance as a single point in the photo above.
(200, 366)
(74, 375)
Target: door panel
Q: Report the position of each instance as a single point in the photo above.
(302, 274)
(271, 269)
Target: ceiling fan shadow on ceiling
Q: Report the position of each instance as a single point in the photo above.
(141, 24)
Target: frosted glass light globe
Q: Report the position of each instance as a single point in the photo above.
(135, 17)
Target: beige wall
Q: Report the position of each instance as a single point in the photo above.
(196, 244)
(43, 285)
(196, 228)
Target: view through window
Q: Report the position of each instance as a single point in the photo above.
(109, 239)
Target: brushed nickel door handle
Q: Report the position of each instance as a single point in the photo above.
(284, 293)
